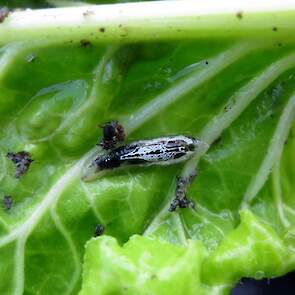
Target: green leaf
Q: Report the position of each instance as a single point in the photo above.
(252, 241)
(58, 83)
(142, 266)
(145, 265)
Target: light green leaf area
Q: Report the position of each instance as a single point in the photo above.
(152, 266)
(237, 95)
(143, 265)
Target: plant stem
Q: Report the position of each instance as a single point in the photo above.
(149, 21)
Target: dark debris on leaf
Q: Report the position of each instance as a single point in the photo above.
(181, 200)
(31, 57)
(22, 161)
(85, 43)
(7, 202)
(113, 132)
(88, 13)
(227, 108)
(99, 229)
(239, 15)
(181, 203)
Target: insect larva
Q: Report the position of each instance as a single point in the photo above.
(159, 151)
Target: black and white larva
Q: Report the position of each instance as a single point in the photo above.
(158, 151)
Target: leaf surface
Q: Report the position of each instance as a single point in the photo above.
(238, 95)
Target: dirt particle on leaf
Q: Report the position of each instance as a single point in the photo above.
(113, 132)
(102, 30)
(31, 57)
(207, 62)
(239, 14)
(4, 12)
(181, 200)
(22, 161)
(99, 229)
(227, 108)
(85, 43)
(88, 13)
(7, 202)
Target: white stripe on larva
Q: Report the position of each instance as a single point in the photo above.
(166, 149)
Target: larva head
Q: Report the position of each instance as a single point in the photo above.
(194, 145)
(98, 167)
